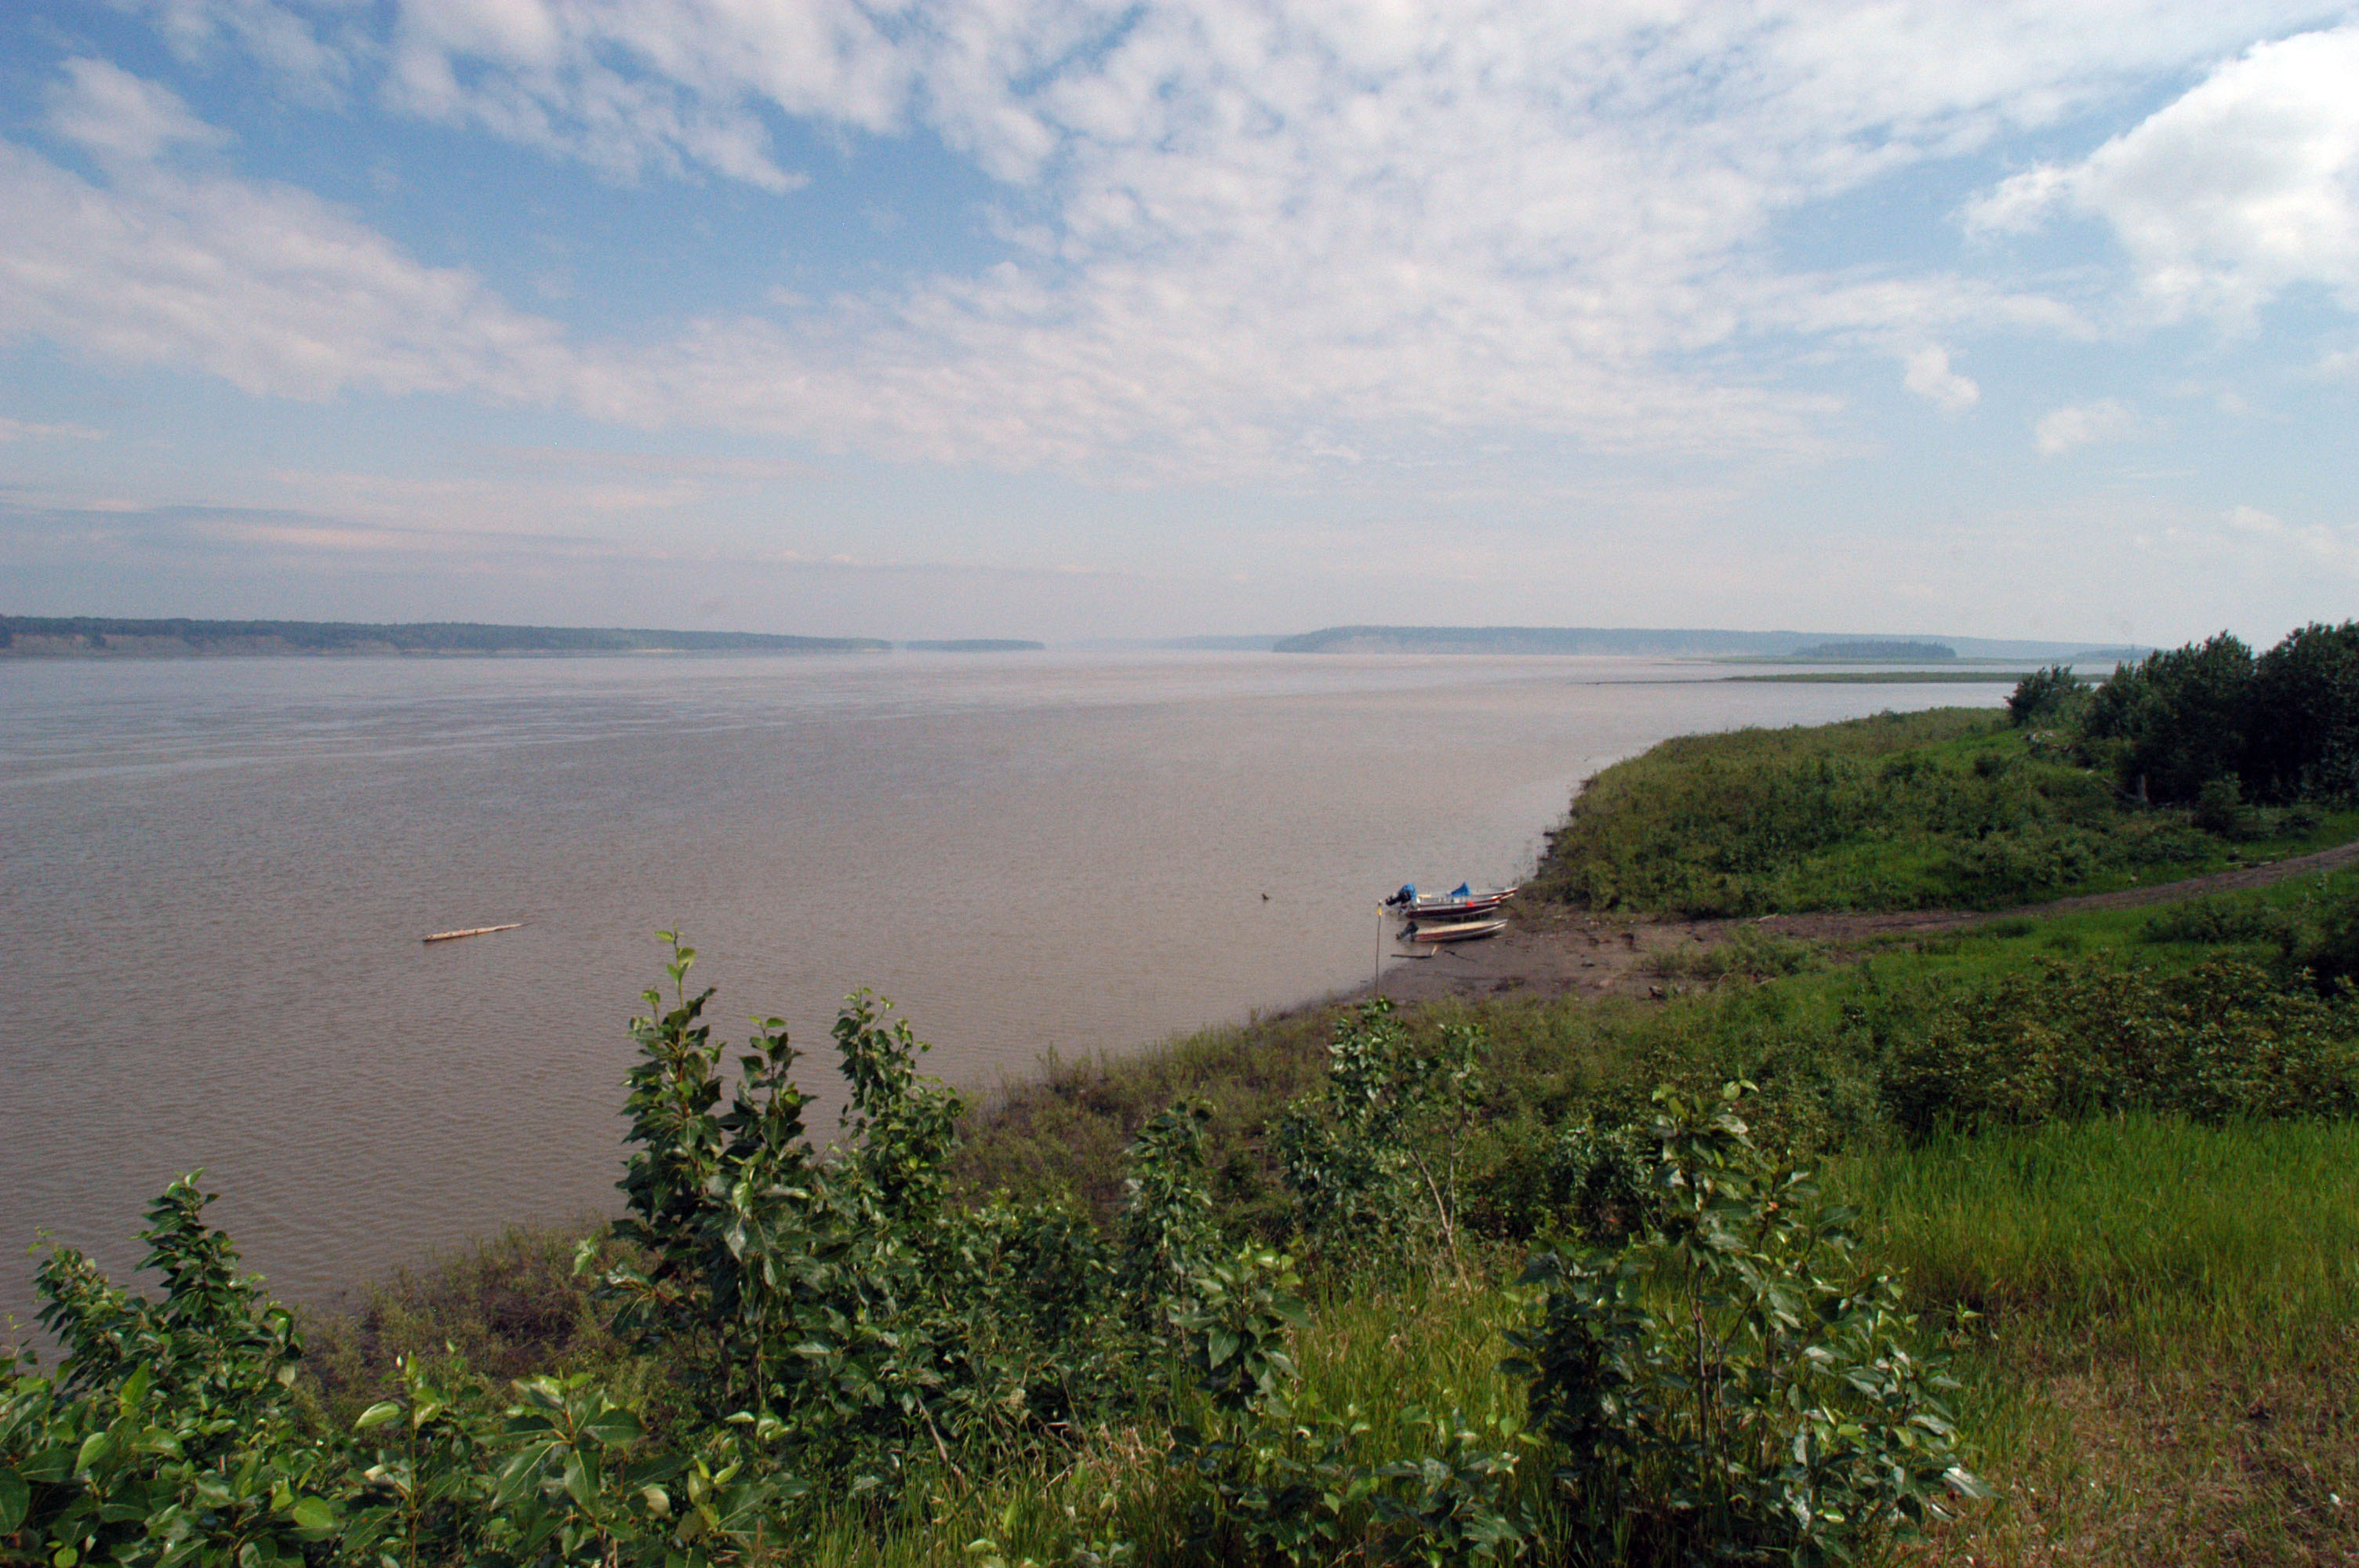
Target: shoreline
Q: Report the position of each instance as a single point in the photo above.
(1598, 956)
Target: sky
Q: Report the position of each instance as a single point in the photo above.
(1065, 319)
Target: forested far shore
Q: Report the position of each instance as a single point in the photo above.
(99, 637)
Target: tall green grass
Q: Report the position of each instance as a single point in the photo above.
(2164, 1368)
(2139, 1235)
(1425, 1340)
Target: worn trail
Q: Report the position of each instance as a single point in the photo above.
(1561, 953)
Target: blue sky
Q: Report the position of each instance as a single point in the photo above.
(1046, 318)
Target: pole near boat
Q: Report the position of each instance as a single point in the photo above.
(472, 931)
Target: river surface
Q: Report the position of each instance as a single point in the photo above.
(217, 874)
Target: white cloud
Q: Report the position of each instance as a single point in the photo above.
(24, 430)
(313, 56)
(268, 288)
(2243, 188)
(1931, 377)
(1243, 235)
(114, 115)
(2251, 525)
(2081, 425)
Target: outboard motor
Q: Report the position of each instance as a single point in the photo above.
(1403, 899)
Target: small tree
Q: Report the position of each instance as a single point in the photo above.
(2045, 697)
(2180, 715)
(1378, 1153)
(2302, 719)
(1725, 1385)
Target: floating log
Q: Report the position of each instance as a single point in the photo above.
(472, 931)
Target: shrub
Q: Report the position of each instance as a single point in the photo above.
(1723, 1388)
(2044, 697)
(2302, 726)
(1376, 1157)
(2180, 715)
(2067, 1040)
(2220, 809)
(2324, 949)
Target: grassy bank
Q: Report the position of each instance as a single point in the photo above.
(1952, 808)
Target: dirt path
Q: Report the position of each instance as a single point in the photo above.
(1550, 951)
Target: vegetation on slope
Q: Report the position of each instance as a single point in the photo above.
(2194, 759)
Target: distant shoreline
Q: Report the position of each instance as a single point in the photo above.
(35, 637)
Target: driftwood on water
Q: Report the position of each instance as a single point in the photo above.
(472, 931)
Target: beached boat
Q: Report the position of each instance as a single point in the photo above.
(1460, 903)
(1454, 930)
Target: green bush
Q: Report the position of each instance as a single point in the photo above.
(2301, 730)
(2045, 697)
(2181, 715)
(1724, 1387)
(2061, 1040)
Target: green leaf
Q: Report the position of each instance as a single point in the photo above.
(582, 1480)
(94, 1450)
(614, 1424)
(378, 1414)
(15, 1498)
(312, 1513)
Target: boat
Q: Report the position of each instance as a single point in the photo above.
(1460, 903)
(1455, 930)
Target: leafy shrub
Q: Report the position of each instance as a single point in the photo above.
(1586, 1179)
(2324, 947)
(2061, 1040)
(169, 1428)
(2220, 809)
(1722, 1387)
(2045, 695)
(1746, 950)
(845, 1299)
(2218, 921)
(2302, 728)
(2180, 715)
(1376, 1156)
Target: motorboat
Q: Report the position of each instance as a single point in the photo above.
(1454, 930)
(1460, 903)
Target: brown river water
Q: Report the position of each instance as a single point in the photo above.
(217, 874)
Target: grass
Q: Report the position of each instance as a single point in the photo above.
(1430, 1341)
(2164, 1363)
(1950, 809)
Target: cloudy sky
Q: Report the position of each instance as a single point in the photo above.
(1061, 318)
